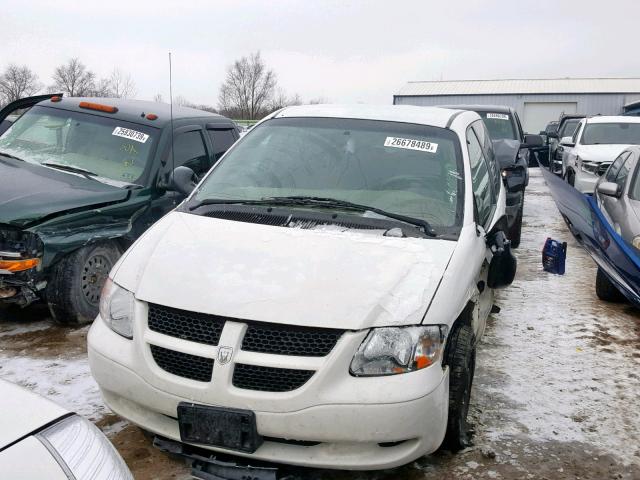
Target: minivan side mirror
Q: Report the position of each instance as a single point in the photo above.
(567, 142)
(531, 140)
(502, 269)
(183, 180)
(610, 189)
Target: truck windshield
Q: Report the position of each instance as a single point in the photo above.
(611, 133)
(110, 149)
(499, 125)
(406, 169)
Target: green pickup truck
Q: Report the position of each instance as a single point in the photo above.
(80, 180)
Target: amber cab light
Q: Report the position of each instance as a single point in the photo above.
(99, 107)
(56, 98)
(151, 116)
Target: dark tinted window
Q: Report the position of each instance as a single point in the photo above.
(221, 141)
(568, 128)
(191, 152)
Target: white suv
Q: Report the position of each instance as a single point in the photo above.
(318, 298)
(596, 142)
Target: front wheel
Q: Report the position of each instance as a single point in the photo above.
(606, 290)
(73, 293)
(570, 177)
(460, 356)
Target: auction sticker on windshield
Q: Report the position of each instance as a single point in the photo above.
(130, 134)
(498, 116)
(411, 144)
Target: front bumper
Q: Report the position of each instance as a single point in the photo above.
(333, 421)
(585, 182)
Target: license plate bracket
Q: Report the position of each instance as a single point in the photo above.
(229, 428)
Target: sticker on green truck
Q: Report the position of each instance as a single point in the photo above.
(130, 134)
(498, 116)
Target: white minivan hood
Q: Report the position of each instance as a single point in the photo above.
(600, 153)
(321, 277)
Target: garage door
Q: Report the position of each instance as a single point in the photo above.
(538, 114)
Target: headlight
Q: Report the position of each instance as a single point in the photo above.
(83, 451)
(636, 242)
(393, 350)
(116, 308)
(587, 166)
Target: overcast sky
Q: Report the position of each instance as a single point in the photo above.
(341, 50)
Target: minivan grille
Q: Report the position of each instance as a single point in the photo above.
(183, 364)
(602, 168)
(192, 326)
(290, 340)
(268, 379)
(260, 337)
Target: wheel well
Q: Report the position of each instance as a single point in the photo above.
(463, 319)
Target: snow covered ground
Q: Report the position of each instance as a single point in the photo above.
(556, 394)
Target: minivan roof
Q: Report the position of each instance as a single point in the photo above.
(133, 110)
(433, 116)
(482, 108)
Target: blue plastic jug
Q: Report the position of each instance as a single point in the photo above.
(554, 256)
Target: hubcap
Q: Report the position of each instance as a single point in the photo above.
(94, 274)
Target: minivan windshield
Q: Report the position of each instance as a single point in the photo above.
(611, 133)
(499, 125)
(106, 149)
(406, 169)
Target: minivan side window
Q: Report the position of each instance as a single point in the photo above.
(487, 147)
(482, 187)
(191, 152)
(221, 141)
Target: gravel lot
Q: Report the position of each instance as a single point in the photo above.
(556, 394)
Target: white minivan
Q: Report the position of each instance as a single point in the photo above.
(318, 298)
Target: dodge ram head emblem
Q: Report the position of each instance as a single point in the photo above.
(224, 355)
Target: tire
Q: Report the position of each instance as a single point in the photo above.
(606, 290)
(515, 232)
(73, 292)
(460, 356)
(570, 177)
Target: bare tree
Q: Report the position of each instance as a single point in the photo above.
(121, 84)
(181, 101)
(158, 98)
(281, 99)
(102, 88)
(248, 88)
(17, 82)
(318, 100)
(74, 79)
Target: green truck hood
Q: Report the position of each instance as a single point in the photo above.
(30, 193)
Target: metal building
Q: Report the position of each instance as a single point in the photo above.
(537, 101)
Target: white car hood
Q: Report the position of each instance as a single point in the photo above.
(600, 153)
(320, 277)
(22, 412)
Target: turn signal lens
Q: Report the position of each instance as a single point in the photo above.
(98, 106)
(19, 265)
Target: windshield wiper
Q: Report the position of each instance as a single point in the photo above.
(322, 202)
(8, 155)
(70, 168)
